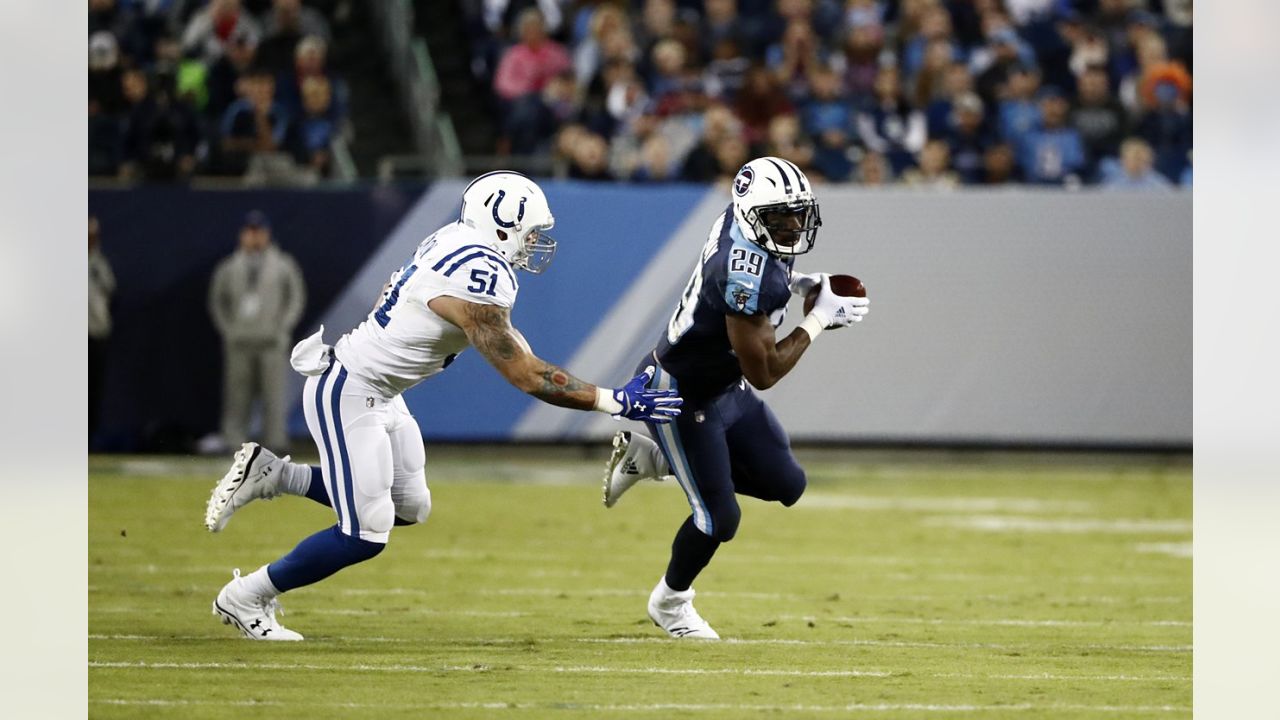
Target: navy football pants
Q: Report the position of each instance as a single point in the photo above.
(730, 444)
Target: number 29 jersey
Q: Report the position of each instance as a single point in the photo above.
(733, 276)
(403, 342)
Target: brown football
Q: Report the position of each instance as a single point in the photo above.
(843, 285)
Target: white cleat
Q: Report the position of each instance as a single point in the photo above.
(623, 469)
(255, 473)
(253, 615)
(673, 611)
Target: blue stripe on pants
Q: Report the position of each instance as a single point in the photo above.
(328, 445)
(336, 400)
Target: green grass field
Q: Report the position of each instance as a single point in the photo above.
(954, 585)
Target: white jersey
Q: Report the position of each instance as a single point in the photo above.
(403, 342)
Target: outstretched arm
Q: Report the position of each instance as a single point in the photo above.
(488, 327)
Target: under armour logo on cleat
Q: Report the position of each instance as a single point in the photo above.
(254, 625)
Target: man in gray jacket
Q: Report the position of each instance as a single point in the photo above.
(256, 298)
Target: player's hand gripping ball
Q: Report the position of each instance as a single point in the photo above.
(842, 285)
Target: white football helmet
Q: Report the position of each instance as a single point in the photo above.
(775, 208)
(511, 208)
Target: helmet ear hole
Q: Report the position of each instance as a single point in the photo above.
(501, 235)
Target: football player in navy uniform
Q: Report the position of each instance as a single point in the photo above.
(720, 338)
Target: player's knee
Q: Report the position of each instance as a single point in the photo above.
(724, 524)
(793, 486)
(414, 509)
(378, 519)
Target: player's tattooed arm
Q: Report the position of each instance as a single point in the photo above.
(764, 359)
(489, 329)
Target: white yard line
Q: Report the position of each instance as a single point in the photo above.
(851, 597)
(998, 523)
(1012, 622)
(604, 670)
(1178, 550)
(652, 707)
(899, 643)
(1022, 647)
(824, 501)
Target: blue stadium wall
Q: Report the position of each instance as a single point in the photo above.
(1023, 317)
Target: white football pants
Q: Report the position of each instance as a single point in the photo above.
(371, 454)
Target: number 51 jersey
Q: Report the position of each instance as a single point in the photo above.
(403, 342)
(733, 276)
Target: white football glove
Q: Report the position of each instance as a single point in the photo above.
(837, 311)
(801, 283)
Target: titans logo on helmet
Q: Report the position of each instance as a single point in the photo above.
(742, 183)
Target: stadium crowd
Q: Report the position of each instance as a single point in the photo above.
(223, 87)
(923, 92)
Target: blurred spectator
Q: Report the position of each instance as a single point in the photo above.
(828, 119)
(162, 135)
(957, 82)
(123, 23)
(666, 68)
(589, 159)
(317, 127)
(310, 59)
(874, 170)
(105, 96)
(1167, 127)
(726, 71)
(702, 164)
(1019, 111)
(607, 21)
(930, 81)
(1099, 117)
(284, 26)
(1054, 154)
(968, 138)
(992, 62)
(655, 161)
(785, 140)
(1135, 169)
(890, 126)
(500, 16)
(731, 155)
(256, 297)
(999, 166)
(759, 101)
(253, 124)
(794, 57)
(102, 286)
(933, 170)
(529, 65)
(860, 63)
(720, 24)
(225, 74)
(210, 30)
(934, 35)
(1088, 46)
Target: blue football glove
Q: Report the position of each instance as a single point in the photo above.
(639, 402)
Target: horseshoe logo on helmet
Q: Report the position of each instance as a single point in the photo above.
(519, 213)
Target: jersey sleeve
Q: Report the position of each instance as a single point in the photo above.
(733, 281)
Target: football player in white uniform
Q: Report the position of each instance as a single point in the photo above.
(456, 291)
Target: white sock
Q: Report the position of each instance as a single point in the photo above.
(258, 582)
(295, 479)
(648, 456)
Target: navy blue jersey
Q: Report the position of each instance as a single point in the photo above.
(733, 277)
